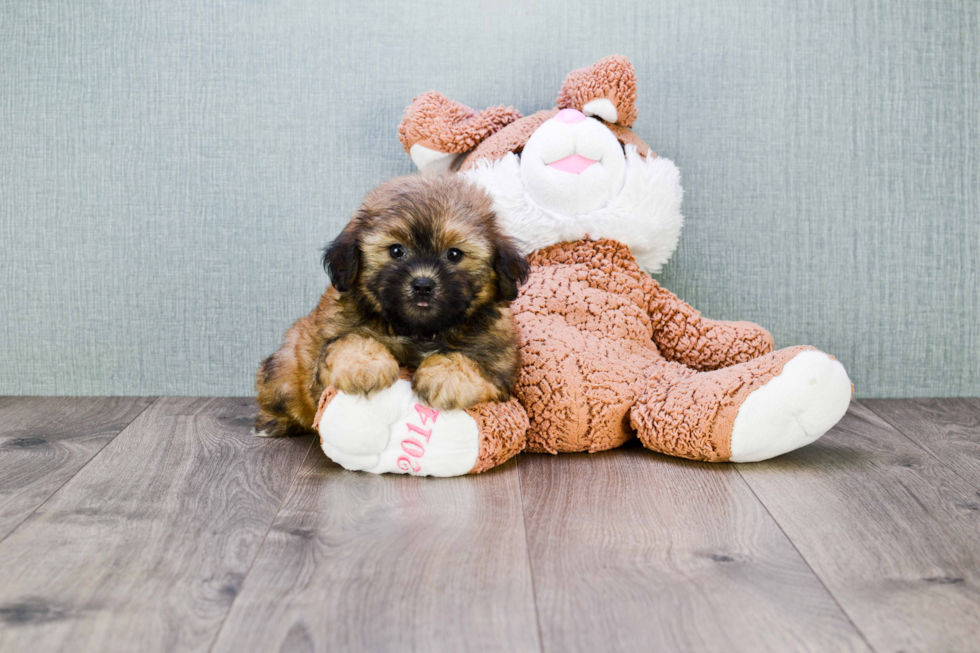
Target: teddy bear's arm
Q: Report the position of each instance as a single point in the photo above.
(684, 336)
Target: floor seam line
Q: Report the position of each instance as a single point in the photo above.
(898, 429)
(79, 470)
(527, 549)
(805, 561)
(258, 552)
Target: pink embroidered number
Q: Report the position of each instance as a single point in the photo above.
(426, 413)
(425, 433)
(416, 449)
(413, 446)
(405, 464)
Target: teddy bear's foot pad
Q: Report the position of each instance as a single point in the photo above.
(392, 431)
(792, 409)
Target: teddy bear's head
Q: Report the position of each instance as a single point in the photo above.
(563, 174)
(572, 164)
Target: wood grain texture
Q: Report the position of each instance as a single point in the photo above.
(44, 441)
(357, 562)
(892, 533)
(633, 551)
(145, 548)
(7, 400)
(949, 429)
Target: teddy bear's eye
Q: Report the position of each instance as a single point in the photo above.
(454, 255)
(396, 251)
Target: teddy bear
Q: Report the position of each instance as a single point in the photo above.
(608, 355)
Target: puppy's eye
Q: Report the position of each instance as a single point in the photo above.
(454, 255)
(396, 251)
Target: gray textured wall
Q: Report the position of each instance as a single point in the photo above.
(169, 170)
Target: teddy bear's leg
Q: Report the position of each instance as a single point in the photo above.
(393, 431)
(435, 130)
(578, 388)
(744, 413)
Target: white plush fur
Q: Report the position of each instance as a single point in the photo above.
(645, 214)
(792, 409)
(569, 193)
(367, 433)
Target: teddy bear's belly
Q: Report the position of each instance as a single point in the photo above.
(584, 352)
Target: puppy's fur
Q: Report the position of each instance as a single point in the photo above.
(400, 298)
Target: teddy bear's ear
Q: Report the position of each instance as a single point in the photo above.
(606, 89)
(435, 130)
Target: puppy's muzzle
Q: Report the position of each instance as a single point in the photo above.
(423, 288)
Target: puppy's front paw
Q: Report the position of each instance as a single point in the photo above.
(452, 381)
(361, 366)
(365, 379)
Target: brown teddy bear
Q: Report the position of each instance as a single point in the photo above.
(607, 353)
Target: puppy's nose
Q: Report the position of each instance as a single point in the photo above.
(423, 286)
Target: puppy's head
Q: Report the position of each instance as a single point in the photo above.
(425, 253)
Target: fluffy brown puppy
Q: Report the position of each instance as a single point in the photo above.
(421, 278)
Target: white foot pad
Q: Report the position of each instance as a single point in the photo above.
(792, 409)
(394, 432)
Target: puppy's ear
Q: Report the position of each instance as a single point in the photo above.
(342, 259)
(511, 267)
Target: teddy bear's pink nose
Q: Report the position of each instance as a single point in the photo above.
(570, 116)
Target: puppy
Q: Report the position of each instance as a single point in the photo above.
(421, 278)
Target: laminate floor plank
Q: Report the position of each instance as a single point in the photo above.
(358, 562)
(949, 429)
(134, 524)
(892, 532)
(10, 400)
(145, 548)
(44, 441)
(633, 551)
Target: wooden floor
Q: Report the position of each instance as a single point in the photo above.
(163, 525)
